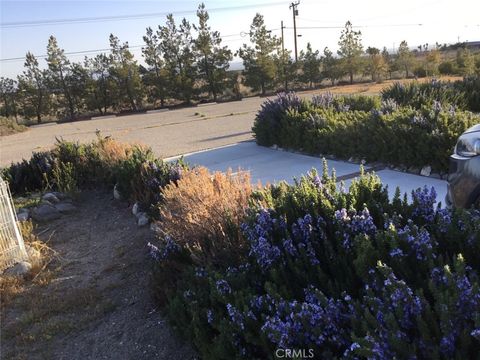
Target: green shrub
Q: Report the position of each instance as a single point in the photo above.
(102, 163)
(417, 94)
(446, 68)
(391, 134)
(348, 274)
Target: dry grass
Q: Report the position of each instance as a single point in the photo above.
(42, 316)
(203, 211)
(372, 88)
(9, 126)
(40, 257)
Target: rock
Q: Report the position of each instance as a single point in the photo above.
(19, 269)
(426, 170)
(414, 170)
(435, 176)
(51, 198)
(44, 213)
(46, 202)
(23, 216)
(351, 160)
(59, 195)
(65, 207)
(142, 219)
(116, 193)
(135, 209)
(155, 228)
(274, 147)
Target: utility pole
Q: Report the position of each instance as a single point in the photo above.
(283, 59)
(293, 6)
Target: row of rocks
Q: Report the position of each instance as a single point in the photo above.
(51, 207)
(142, 217)
(424, 171)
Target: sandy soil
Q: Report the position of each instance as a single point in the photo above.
(97, 305)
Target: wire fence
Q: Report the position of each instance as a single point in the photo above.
(12, 247)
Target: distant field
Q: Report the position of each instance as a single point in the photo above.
(371, 88)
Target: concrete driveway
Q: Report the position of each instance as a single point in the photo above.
(270, 166)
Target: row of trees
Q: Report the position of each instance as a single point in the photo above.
(185, 61)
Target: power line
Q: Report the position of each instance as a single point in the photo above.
(126, 17)
(354, 26)
(238, 36)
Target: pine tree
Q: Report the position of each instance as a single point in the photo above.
(60, 70)
(176, 47)
(332, 67)
(212, 58)
(259, 60)
(155, 77)
(8, 94)
(310, 62)
(32, 87)
(125, 70)
(100, 87)
(351, 49)
(405, 57)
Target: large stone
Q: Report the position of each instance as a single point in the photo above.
(426, 170)
(65, 207)
(414, 170)
(142, 219)
(155, 228)
(116, 193)
(136, 209)
(61, 196)
(19, 269)
(50, 197)
(45, 213)
(23, 216)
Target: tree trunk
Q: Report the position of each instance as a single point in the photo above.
(351, 77)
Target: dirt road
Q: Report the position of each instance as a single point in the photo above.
(168, 133)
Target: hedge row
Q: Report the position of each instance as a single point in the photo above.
(463, 94)
(340, 274)
(364, 127)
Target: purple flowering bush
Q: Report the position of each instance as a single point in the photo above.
(348, 274)
(362, 126)
(463, 94)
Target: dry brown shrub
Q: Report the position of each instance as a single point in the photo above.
(40, 256)
(112, 151)
(203, 213)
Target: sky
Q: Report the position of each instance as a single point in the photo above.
(382, 23)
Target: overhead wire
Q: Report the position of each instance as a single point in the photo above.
(68, 21)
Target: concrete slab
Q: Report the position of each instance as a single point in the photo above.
(103, 117)
(409, 182)
(270, 166)
(157, 111)
(265, 165)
